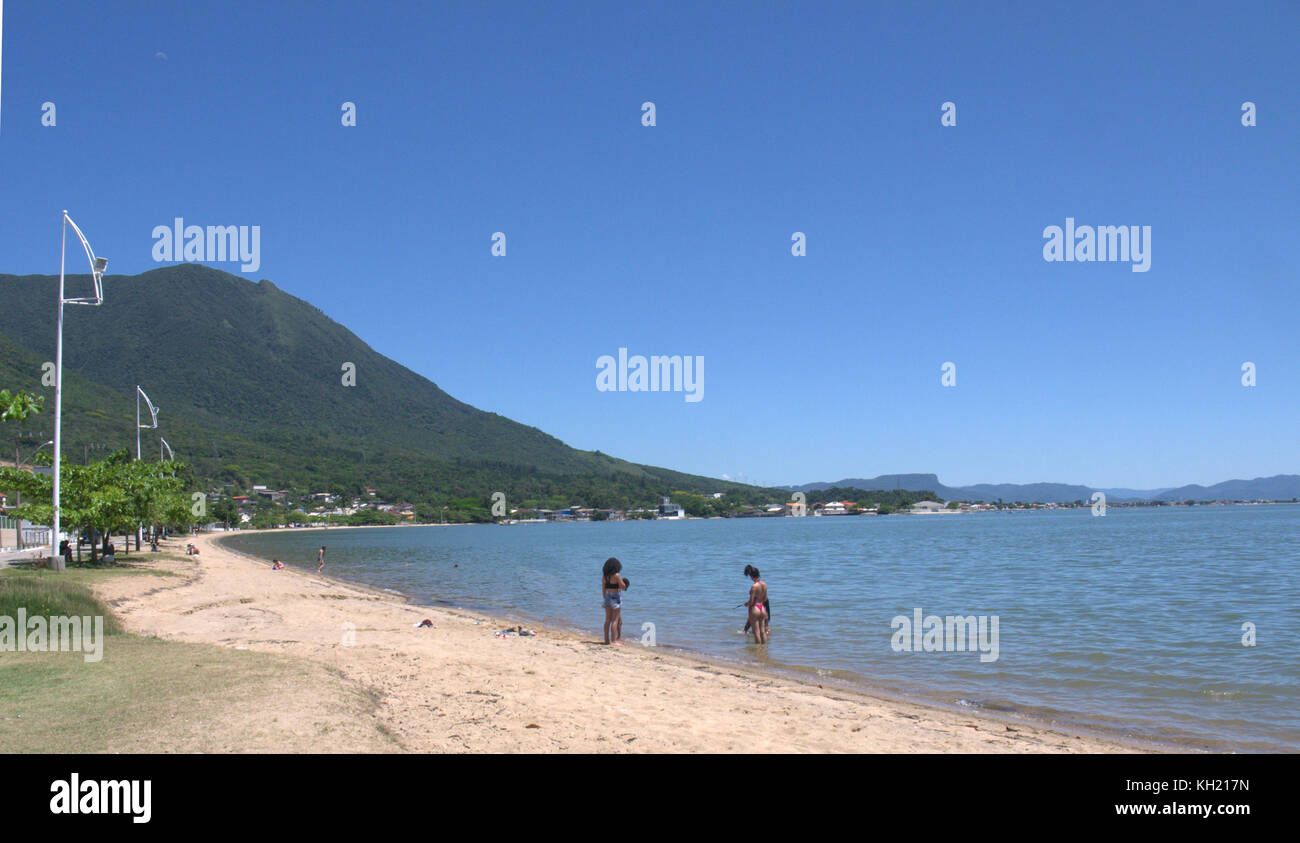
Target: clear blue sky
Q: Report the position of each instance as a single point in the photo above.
(924, 242)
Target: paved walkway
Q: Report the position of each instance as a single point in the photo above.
(8, 557)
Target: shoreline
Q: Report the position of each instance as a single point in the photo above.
(934, 727)
(800, 674)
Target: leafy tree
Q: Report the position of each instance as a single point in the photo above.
(111, 496)
(18, 406)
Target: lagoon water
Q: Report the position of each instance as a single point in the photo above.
(1129, 623)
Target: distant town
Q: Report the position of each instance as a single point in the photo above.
(264, 508)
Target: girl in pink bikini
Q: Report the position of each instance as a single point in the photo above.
(756, 603)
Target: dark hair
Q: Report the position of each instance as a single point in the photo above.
(751, 571)
(612, 566)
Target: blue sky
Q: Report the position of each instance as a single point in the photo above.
(924, 242)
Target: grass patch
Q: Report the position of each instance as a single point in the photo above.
(44, 594)
(89, 574)
(151, 695)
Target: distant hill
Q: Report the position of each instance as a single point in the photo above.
(248, 380)
(1281, 487)
(1031, 493)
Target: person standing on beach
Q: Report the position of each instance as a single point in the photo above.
(757, 609)
(320, 559)
(612, 586)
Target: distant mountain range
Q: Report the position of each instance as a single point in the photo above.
(1279, 487)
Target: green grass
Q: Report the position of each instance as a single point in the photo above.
(151, 695)
(43, 593)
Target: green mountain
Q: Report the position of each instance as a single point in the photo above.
(248, 379)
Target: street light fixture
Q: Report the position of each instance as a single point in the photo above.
(162, 445)
(97, 267)
(153, 417)
(17, 464)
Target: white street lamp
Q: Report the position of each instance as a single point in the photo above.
(97, 266)
(163, 446)
(153, 417)
(39, 448)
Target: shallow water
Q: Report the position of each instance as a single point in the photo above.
(1130, 622)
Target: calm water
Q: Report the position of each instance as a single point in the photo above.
(1130, 623)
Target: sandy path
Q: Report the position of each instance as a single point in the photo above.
(457, 688)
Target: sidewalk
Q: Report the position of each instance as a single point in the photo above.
(9, 557)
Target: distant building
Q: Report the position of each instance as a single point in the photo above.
(668, 509)
(927, 506)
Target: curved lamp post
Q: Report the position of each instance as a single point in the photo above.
(153, 417)
(39, 448)
(97, 267)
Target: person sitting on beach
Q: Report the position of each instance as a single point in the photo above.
(612, 586)
(757, 611)
(276, 565)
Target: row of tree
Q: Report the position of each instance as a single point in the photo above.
(115, 495)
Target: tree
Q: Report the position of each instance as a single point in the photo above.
(19, 405)
(225, 511)
(111, 496)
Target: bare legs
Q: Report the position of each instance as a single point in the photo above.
(613, 626)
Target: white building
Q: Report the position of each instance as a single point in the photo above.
(668, 509)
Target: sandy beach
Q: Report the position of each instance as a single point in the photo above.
(456, 687)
